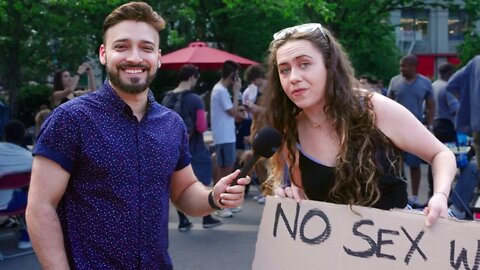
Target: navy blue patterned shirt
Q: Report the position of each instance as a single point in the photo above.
(114, 213)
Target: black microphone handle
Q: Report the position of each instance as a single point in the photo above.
(246, 168)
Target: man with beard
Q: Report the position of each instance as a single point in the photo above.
(107, 164)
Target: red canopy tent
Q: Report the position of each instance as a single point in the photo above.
(198, 53)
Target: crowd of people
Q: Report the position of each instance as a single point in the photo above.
(117, 153)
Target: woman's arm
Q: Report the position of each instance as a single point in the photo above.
(407, 133)
(58, 96)
(91, 78)
(76, 77)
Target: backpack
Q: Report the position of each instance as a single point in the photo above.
(175, 102)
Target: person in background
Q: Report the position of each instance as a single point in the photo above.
(381, 87)
(465, 84)
(464, 190)
(14, 158)
(369, 83)
(255, 75)
(65, 86)
(445, 113)
(223, 110)
(107, 165)
(342, 144)
(413, 90)
(40, 117)
(191, 108)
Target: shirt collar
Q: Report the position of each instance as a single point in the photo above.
(118, 103)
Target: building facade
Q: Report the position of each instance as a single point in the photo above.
(432, 33)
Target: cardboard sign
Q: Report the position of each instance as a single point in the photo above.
(317, 235)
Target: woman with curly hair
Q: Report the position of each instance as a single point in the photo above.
(342, 144)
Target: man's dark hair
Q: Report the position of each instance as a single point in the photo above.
(446, 70)
(14, 132)
(254, 72)
(133, 11)
(228, 68)
(188, 71)
(410, 60)
(370, 79)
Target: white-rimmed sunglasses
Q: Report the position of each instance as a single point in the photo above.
(302, 28)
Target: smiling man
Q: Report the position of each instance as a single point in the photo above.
(106, 164)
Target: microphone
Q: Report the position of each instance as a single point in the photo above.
(265, 143)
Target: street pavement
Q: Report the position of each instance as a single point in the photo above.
(230, 246)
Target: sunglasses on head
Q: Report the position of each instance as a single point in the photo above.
(303, 28)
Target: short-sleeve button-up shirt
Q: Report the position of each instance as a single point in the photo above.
(114, 213)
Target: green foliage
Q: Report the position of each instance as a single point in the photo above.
(469, 48)
(39, 36)
(471, 45)
(31, 97)
(364, 30)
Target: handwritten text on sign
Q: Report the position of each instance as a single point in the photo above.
(317, 235)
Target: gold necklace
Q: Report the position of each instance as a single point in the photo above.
(313, 125)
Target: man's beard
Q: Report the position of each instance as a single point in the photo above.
(132, 87)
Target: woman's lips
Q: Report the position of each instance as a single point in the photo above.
(298, 92)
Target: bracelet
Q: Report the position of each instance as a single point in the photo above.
(78, 74)
(211, 202)
(441, 192)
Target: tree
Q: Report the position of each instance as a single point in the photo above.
(37, 37)
(471, 45)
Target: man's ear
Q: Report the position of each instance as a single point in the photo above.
(159, 58)
(102, 54)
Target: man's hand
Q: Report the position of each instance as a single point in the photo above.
(226, 196)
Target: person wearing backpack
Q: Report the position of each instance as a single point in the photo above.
(191, 108)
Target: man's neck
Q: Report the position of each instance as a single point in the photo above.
(411, 78)
(182, 86)
(137, 102)
(224, 82)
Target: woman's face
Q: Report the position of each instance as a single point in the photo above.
(302, 73)
(66, 79)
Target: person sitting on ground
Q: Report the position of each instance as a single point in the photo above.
(64, 85)
(342, 144)
(15, 159)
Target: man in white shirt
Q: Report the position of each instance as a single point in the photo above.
(222, 112)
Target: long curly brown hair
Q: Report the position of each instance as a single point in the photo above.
(357, 167)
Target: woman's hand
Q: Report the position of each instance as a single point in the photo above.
(88, 68)
(291, 191)
(81, 69)
(437, 207)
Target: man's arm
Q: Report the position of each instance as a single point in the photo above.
(456, 82)
(390, 91)
(233, 112)
(47, 186)
(191, 197)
